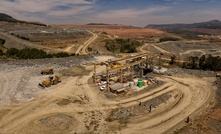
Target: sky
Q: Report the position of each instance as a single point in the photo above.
(131, 12)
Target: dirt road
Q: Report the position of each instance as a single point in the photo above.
(82, 49)
(190, 51)
(160, 49)
(193, 99)
(75, 107)
(166, 55)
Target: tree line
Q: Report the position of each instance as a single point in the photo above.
(209, 62)
(2, 41)
(122, 45)
(32, 53)
(168, 39)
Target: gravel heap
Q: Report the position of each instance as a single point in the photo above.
(20, 78)
(198, 73)
(56, 63)
(142, 107)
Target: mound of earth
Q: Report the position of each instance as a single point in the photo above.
(58, 122)
(75, 71)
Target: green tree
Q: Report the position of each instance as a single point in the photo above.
(202, 62)
(213, 63)
(12, 52)
(61, 54)
(172, 59)
(1, 52)
(168, 39)
(193, 62)
(122, 45)
(2, 41)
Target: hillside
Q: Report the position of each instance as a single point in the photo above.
(8, 18)
(5, 17)
(213, 24)
(95, 25)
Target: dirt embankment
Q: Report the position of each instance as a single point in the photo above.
(210, 120)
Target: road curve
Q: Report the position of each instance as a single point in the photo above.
(196, 95)
(82, 49)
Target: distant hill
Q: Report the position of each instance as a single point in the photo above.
(7, 18)
(110, 25)
(97, 24)
(213, 24)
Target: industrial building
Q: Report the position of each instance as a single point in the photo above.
(121, 71)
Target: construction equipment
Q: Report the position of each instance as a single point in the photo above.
(115, 65)
(47, 71)
(52, 80)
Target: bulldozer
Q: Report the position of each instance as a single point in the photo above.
(47, 71)
(52, 80)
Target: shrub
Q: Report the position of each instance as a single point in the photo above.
(1, 52)
(172, 59)
(122, 45)
(33, 53)
(168, 39)
(204, 63)
(12, 52)
(61, 54)
(89, 49)
(2, 41)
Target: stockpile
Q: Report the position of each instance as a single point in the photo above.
(141, 108)
(20, 78)
(198, 73)
(44, 63)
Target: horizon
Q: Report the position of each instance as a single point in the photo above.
(137, 13)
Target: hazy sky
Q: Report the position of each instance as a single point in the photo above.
(131, 12)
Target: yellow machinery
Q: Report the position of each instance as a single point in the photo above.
(52, 80)
(47, 71)
(115, 65)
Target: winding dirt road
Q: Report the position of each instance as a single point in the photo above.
(82, 49)
(191, 51)
(196, 95)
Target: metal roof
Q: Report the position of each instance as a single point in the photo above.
(117, 86)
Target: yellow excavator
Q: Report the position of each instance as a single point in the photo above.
(52, 80)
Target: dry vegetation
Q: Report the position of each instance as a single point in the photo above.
(139, 34)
